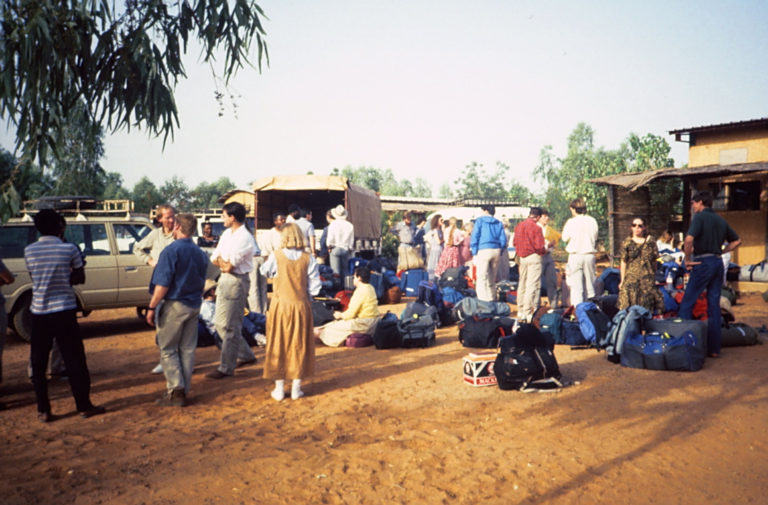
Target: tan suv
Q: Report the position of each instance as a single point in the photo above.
(114, 276)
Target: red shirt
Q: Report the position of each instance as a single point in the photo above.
(529, 239)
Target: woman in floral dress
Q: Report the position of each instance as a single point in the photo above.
(453, 239)
(638, 255)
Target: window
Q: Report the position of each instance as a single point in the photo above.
(743, 195)
(13, 240)
(90, 238)
(128, 234)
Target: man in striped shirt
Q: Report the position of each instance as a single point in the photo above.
(54, 267)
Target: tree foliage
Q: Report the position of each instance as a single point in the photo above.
(384, 182)
(206, 195)
(121, 60)
(567, 178)
(145, 195)
(80, 146)
(477, 183)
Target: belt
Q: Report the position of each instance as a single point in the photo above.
(705, 255)
(236, 275)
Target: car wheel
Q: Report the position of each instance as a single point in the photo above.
(22, 320)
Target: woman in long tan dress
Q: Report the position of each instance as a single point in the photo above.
(290, 350)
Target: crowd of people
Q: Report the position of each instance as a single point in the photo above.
(183, 291)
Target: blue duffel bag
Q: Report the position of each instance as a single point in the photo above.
(654, 351)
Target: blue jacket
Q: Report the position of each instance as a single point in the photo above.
(488, 233)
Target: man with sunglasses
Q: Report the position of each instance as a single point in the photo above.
(703, 247)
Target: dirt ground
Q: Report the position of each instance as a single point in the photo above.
(394, 426)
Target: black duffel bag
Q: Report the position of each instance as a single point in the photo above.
(484, 332)
(527, 369)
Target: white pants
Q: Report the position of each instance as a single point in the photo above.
(580, 276)
(486, 263)
(529, 287)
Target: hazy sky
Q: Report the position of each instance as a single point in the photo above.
(426, 87)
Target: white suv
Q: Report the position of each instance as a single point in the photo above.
(114, 276)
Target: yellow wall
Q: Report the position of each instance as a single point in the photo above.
(708, 146)
(750, 225)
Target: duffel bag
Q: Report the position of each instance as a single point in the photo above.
(736, 334)
(387, 334)
(526, 369)
(654, 351)
(484, 333)
(678, 327)
(418, 331)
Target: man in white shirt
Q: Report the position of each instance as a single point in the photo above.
(308, 229)
(234, 257)
(580, 236)
(341, 240)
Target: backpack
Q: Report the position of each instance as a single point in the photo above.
(429, 294)
(670, 304)
(626, 322)
(593, 323)
(387, 335)
(410, 279)
(527, 369)
(451, 296)
(454, 278)
(483, 332)
(417, 331)
(571, 334)
(552, 323)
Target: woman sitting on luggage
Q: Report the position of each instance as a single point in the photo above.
(361, 315)
(638, 255)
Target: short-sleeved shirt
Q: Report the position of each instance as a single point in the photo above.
(709, 231)
(50, 262)
(181, 268)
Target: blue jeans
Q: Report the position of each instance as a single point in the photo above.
(707, 275)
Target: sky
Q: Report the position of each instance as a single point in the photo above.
(426, 87)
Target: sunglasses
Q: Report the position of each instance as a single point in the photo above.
(637, 225)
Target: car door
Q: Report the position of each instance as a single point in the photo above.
(100, 288)
(133, 275)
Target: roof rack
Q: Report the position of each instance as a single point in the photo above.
(78, 206)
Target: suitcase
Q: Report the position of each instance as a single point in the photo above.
(377, 281)
(676, 327)
(410, 279)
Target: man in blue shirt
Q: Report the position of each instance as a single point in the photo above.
(486, 243)
(703, 247)
(54, 266)
(177, 282)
